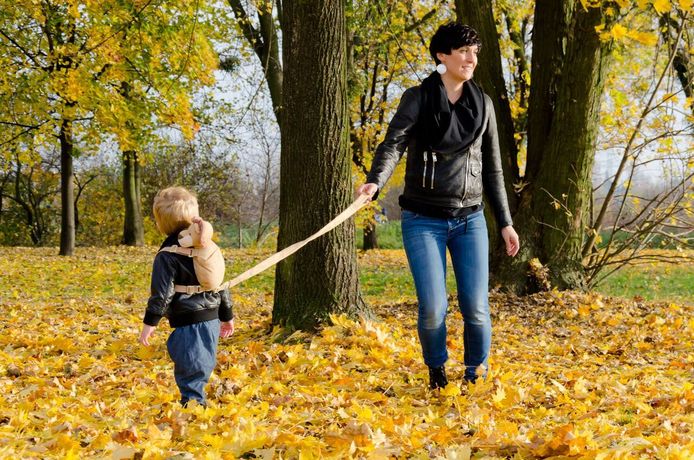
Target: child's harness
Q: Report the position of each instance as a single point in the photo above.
(209, 278)
(201, 256)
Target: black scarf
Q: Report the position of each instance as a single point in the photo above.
(435, 116)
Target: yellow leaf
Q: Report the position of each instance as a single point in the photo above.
(450, 390)
(618, 32)
(662, 6)
(645, 38)
(363, 413)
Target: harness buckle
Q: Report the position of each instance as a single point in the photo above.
(190, 290)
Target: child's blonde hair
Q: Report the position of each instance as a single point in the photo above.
(174, 209)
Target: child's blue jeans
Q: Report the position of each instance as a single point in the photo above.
(193, 349)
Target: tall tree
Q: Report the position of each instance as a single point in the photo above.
(69, 62)
(315, 183)
(133, 224)
(264, 40)
(568, 67)
(384, 37)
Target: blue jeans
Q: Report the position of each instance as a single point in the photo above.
(425, 240)
(193, 349)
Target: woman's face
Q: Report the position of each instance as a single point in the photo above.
(461, 62)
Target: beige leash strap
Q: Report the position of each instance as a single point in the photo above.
(190, 252)
(359, 203)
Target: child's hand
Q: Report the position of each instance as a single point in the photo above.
(146, 333)
(226, 329)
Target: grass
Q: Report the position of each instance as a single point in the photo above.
(389, 235)
(662, 281)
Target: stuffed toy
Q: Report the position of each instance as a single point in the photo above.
(207, 257)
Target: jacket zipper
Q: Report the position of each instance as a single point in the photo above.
(467, 172)
(424, 171)
(433, 168)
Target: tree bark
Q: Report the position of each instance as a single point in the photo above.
(489, 75)
(67, 190)
(370, 236)
(315, 185)
(133, 226)
(682, 63)
(569, 65)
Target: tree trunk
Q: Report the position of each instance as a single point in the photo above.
(265, 43)
(67, 191)
(370, 236)
(568, 68)
(133, 226)
(682, 63)
(315, 169)
(489, 75)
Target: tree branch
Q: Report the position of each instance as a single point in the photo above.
(627, 154)
(25, 52)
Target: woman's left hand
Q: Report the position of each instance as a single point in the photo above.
(511, 239)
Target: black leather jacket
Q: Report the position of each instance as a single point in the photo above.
(181, 309)
(447, 181)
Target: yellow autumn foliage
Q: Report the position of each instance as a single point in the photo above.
(571, 375)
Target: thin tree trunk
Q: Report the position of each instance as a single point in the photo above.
(316, 185)
(265, 43)
(264, 199)
(67, 191)
(34, 233)
(133, 226)
(370, 236)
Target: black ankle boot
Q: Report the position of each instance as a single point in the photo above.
(437, 377)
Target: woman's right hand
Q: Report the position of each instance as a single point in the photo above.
(367, 189)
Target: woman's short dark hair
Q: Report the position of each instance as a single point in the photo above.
(451, 36)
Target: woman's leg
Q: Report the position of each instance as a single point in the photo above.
(424, 239)
(469, 246)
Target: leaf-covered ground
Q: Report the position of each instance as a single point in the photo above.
(572, 375)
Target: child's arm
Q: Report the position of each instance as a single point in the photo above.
(227, 328)
(146, 333)
(226, 315)
(162, 291)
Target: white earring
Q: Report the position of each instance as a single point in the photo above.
(441, 68)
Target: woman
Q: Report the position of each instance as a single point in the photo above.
(449, 128)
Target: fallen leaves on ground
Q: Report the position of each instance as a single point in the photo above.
(571, 375)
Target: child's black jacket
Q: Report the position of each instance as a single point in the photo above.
(181, 309)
